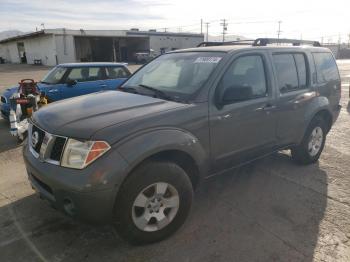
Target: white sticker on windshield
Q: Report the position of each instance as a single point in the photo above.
(208, 59)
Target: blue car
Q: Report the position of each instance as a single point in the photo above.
(74, 79)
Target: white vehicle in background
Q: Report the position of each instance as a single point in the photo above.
(142, 57)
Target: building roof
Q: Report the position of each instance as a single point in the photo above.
(98, 33)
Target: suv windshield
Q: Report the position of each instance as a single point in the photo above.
(55, 75)
(178, 75)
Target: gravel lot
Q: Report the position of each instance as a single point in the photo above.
(271, 210)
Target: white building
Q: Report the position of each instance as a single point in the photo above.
(56, 46)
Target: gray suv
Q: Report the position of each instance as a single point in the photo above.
(133, 157)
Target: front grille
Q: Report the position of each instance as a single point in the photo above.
(3, 100)
(45, 146)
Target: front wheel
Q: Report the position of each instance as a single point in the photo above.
(312, 145)
(153, 202)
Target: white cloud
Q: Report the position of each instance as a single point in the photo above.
(311, 19)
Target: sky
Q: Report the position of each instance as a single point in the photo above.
(306, 19)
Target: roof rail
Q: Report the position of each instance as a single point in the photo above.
(294, 42)
(237, 42)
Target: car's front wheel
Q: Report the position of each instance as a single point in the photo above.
(153, 202)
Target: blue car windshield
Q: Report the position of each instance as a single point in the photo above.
(176, 74)
(54, 76)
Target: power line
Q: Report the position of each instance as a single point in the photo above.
(224, 29)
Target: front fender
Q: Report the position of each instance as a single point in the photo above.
(143, 145)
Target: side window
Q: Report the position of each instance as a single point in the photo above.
(326, 67)
(247, 74)
(287, 75)
(83, 74)
(302, 71)
(116, 72)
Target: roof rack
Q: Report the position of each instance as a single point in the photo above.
(294, 42)
(237, 42)
(262, 42)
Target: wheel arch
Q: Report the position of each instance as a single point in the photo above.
(172, 145)
(326, 115)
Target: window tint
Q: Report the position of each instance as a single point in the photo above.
(326, 67)
(248, 72)
(286, 72)
(82, 74)
(116, 72)
(302, 72)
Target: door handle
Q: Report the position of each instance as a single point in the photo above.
(103, 85)
(266, 107)
(227, 116)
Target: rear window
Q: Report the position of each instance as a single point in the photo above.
(287, 74)
(116, 72)
(326, 67)
(292, 71)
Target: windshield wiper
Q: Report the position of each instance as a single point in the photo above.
(157, 92)
(43, 82)
(127, 89)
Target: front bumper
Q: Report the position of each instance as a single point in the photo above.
(88, 194)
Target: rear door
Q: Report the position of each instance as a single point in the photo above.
(115, 76)
(242, 130)
(292, 70)
(88, 80)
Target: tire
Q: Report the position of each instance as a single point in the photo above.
(306, 154)
(131, 208)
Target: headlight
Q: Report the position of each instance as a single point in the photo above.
(79, 154)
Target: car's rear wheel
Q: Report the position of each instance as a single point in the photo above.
(153, 202)
(312, 145)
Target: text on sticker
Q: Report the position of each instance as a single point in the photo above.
(209, 59)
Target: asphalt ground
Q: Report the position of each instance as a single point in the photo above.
(270, 210)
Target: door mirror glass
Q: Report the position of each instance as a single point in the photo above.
(236, 93)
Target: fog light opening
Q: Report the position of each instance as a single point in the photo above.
(69, 206)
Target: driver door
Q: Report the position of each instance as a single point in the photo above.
(245, 128)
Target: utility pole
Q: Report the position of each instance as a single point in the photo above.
(224, 29)
(348, 40)
(201, 26)
(165, 28)
(279, 30)
(207, 25)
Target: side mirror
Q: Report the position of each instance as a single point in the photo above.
(71, 82)
(236, 93)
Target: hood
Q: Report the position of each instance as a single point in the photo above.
(82, 116)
